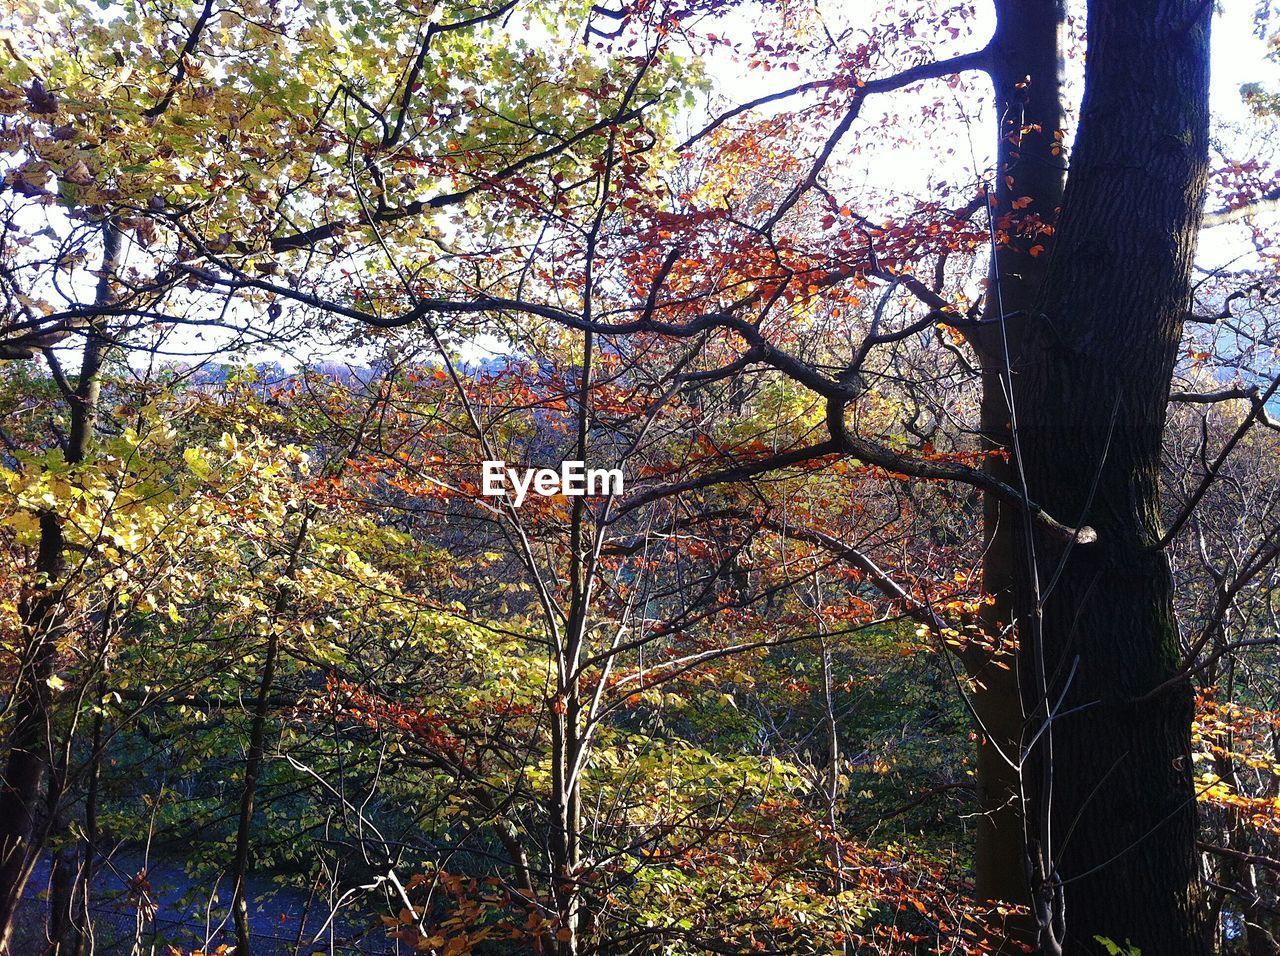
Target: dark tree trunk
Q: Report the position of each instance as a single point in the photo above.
(252, 767)
(89, 845)
(241, 863)
(24, 820)
(21, 805)
(1112, 805)
(64, 881)
(1025, 65)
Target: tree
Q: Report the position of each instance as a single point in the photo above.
(1114, 804)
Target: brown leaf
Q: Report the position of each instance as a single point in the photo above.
(41, 100)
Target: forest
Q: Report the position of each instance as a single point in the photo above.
(611, 477)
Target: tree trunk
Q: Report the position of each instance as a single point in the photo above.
(256, 750)
(90, 842)
(1112, 805)
(248, 794)
(21, 823)
(24, 828)
(1025, 65)
(64, 932)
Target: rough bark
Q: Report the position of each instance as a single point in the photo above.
(1113, 809)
